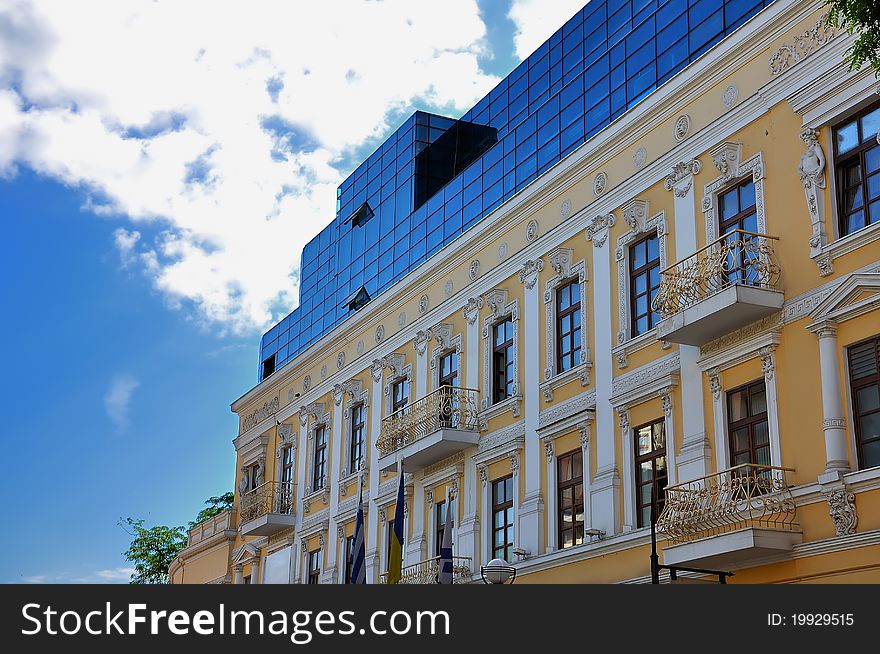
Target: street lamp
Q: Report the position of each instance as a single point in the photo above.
(498, 571)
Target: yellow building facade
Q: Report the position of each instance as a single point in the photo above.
(686, 309)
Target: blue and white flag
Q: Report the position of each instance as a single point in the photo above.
(445, 576)
(357, 565)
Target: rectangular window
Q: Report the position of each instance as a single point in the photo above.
(356, 446)
(737, 211)
(644, 280)
(440, 525)
(287, 464)
(314, 566)
(502, 518)
(319, 469)
(651, 472)
(448, 369)
(568, 326)
(502, 360)
(747, 428)
(389, 530)
(399, 394)
(570, 495)
(349, 551)
(857, 164)
(864, 375)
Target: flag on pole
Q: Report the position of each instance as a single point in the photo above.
(357, 563)
(445, 567)
(395, 558)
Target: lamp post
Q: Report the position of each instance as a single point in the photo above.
(498, 571)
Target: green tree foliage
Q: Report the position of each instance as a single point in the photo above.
(216, 506)
(152, 550)
(860, 18)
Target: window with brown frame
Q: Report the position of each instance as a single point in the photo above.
(502, 518)
(570, 494)
(448, 369)
(857, 167)
(747, 428)
(356, 444)
(314, 566)
(399, 394)
(644, 281)
(448, 377)
(502, 360)
(651, 472)
(349, 550)
(737, 209)
(288, 462)
(319, 466)
(864, 376)
(440, 525)
(568, 326)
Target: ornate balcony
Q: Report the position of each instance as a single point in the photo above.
(428, 571)
(728, 517)
(430, 429)
(726, 285)
(268, 509)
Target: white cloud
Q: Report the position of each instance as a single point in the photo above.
(163, 112)
(536, 20)
(117, 400)
(109, 576)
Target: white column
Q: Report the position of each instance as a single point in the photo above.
(333, 467)
(605, 489)
(431, 530)
(469, 534)
(238, 575)
(373, 543)
(254, 579)
(768, 363)
(529, 520)
(587, 462)
(485, 516)
(421, 344)
(552, 511)
(669, 428)
(719, 417)
(694, 460)
(833, 423)
(417, 550)
(302, 448)
(629, 470)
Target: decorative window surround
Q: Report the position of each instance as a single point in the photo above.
(561, 263)
(496, 301)
(635, 213)
(549, 437)
(450, 476)
(352, 394)
(727, 158)
(512, 451)
(446, 342)
(346, 511)
(286, 438)
(761, 346)
(395, 364)
(317, 412)
(849, 243)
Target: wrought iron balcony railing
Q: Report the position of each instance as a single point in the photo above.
(428, 571)
(747, 495)
(737, 258)
(270, 497)
(449, 407)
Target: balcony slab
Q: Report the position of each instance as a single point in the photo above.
(720, 314)
(732, 548)
(430, 449)
(268, 524)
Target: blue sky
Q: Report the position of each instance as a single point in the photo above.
(154, 203)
